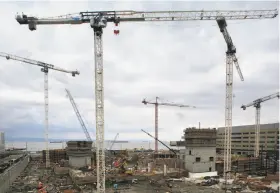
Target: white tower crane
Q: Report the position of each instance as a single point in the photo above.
(45, 68)
(156, 103)
(230, 59)
(99, 19)
(78, 114)
(257, 104)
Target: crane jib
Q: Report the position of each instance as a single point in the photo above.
(133, 16)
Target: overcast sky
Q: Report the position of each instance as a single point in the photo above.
(182, 63)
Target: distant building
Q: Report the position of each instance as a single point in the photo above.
(199, 154)
(243, 138)
(2, 141)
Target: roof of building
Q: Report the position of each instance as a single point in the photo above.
(240, 128)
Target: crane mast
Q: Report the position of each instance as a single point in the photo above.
(78, 114)
(98, 23)
(230, 59)
(257, 104)
(45, 69)
(156, 103)
(98, 20)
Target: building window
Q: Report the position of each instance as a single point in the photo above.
(211, 159)
(197, 159)
(190, 152)
(236, 133)
(210, 169)
(271, 137)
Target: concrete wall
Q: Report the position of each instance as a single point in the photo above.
(78, 162)
(2, 141)
(204, 153)
(10, 175)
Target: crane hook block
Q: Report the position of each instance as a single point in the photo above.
(116, 30)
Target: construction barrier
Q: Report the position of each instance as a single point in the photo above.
(10, 175)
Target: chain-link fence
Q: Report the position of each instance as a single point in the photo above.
(10, 175)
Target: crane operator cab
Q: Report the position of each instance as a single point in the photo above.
(75, 73)
(24, 19)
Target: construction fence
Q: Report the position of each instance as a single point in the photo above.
(10, 175)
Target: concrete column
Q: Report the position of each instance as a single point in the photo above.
(149, 167)
(164, 170)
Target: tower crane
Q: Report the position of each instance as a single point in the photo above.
(45, 69)
(98, 21)
(156, 103)
(110, 149)
(114, 141)
(257, 104)
(230, 59)
(170, 149)
(78, 114)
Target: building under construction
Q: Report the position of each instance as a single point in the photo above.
(199, 154)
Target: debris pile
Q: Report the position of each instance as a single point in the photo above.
(33, 174)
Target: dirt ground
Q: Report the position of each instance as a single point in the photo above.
(178, 187)
(28, 181)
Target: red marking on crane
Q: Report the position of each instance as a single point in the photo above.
(116, 30)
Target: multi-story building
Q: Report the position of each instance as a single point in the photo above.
(2, 141)
(243, 138)
(199, 154)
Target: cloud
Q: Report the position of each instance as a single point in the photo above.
(181, 62)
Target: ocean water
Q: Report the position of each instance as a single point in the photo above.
(39, 146)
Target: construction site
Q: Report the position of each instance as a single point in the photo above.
(86, 166)
(197, 168)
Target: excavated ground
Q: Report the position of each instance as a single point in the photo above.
(178, 187)
(29, 178)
